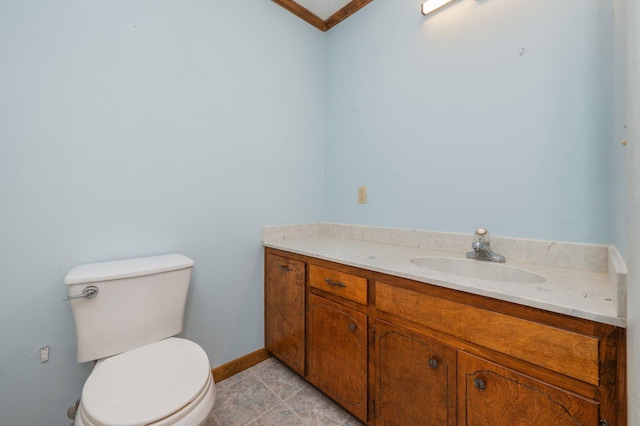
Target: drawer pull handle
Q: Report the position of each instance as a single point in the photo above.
(480, 384)
(433, 363)
(334, 283)
(285, 267)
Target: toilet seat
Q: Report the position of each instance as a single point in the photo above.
(159, 384)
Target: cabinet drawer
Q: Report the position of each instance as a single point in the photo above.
(563, 351)
(341, 284)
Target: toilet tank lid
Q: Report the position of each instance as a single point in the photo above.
(127, 268)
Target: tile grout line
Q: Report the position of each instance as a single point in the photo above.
(253, 373)
(283, 401)
(255, 376)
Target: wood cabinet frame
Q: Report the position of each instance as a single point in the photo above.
(607, 387)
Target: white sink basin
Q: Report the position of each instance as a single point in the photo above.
(478, 269)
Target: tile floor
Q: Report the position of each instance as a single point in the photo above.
(269, 394)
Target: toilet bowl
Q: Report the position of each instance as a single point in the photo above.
(126, 313)
(163, 383)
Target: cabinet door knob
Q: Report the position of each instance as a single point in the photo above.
(352, 327)
(479, 384)
(433, 363)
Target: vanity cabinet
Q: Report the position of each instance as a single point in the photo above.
(284, 297)
(394, 351)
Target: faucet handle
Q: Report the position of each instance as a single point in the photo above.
(482, 236)
(481, 246)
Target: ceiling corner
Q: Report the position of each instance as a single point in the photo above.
(323, 14)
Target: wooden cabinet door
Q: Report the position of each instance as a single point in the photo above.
(489, 394)
(415, 379)
(337, 353)
(284, 310)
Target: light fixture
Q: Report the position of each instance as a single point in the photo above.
(433, 5)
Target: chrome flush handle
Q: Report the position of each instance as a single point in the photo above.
(88, 292)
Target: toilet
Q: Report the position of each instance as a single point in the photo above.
(126, 313)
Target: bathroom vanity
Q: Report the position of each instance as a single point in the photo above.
(394, 348)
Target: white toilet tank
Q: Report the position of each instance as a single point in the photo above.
(139, 301)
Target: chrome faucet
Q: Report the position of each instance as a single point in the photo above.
(482, 247)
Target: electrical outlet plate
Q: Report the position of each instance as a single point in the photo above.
(362, 195)
(44, 354)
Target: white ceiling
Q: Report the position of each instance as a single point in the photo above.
(323, 8)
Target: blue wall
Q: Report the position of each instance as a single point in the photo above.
(450, 128)
(633, 258)
(147, 127)
(621, 151)
(139, 128)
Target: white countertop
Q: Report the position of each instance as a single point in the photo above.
(579, 293)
